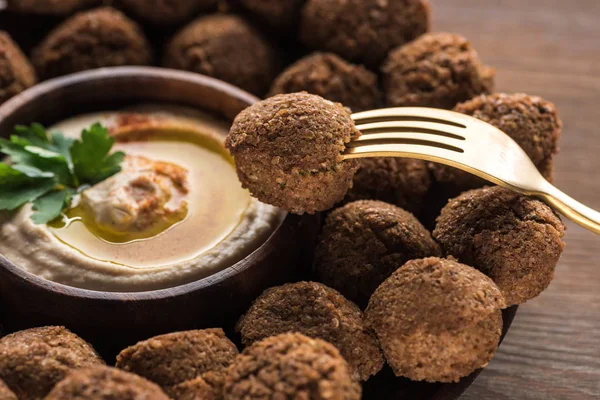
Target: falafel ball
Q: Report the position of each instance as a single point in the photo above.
(363, 30)
(513, 239)
(437, 320)
(317, 311)
(436, 70)
(288, 151)
(403, 182)
(194, 389)
(103, 37)
(16, 73)
(6, 393)
(225, 47)
(50, 7)
(171, 359)
(530, 120)
(34, 360)
(332, 78)
(101, 383)
(166, 12)
(290, 366)
(364, 242)
(278, 13)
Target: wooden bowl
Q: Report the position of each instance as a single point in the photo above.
(112, 321)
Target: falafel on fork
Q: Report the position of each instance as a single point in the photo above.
(295, 150)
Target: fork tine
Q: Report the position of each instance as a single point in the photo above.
(434, 135)
(419, 149)
(429, 128)
(424, 114)
(408, 136)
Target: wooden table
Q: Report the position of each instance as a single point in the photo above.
(549, 48)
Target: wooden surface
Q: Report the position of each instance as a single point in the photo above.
(549, 48)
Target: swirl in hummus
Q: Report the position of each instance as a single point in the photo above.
(174, 214)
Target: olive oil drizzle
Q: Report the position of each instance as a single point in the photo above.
(209, 142)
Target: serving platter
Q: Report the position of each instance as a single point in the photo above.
(111, 321)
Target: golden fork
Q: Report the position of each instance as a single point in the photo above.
(463, 142)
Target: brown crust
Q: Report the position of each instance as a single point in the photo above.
(515, 240)
(6, 393)
(105, 383)
(436, 319)
(530, 120)
(436, 70)
(403, 182)
(290, 366)
(16, 73)
(224, 47)
(194, 389)
(166, 12)
(316, 311)
(103, 37)
(330, 77)
(363, 30)
(364, 242)
(34, 360)
(288, 151)
(50, 7)
(178, 357)
(277, 13)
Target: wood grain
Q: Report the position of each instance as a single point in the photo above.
(549, 48)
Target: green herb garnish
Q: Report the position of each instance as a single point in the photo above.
(48, 170)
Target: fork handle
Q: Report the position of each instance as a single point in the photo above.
(571, 208)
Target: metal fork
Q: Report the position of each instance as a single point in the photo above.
(463, 142)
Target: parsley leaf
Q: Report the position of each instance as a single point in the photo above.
(21, 151)
(49, 206)
(48, 170)
(18, 174)
(90, 155)
(35, 134)
(62, 145)
(24, 194)
(21, 184)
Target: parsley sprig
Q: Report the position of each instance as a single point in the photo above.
(48, 170)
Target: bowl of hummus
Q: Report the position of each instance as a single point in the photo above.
(170, 241)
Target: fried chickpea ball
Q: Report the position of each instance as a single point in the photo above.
(290, 366)
(34, 360)
(317, 311)
(277, 13)
(436, 70)
(50, 7)
(513, 239)
(364, 242)
(103, 37)
(6, 393)
(332, 78)
(16, 73)
(102, 383)
(530, 120)
(225, 47)
(288, 151)
(171, 359)
(403, 182)
(166, 12)
(437, 320)
(194, 389)
(363, 30)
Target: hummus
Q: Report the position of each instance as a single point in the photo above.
(174, 214)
